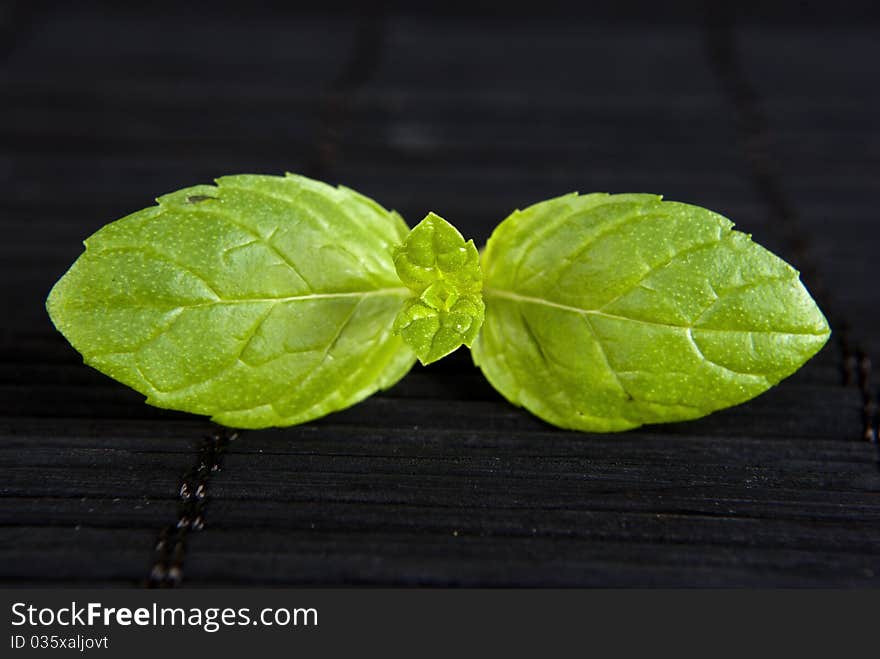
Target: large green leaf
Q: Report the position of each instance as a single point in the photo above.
(260, 301)
(604, 312)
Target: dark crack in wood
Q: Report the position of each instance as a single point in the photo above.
(171, 545)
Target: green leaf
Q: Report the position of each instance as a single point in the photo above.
(443, 271)
(605, 312)
(261, 301)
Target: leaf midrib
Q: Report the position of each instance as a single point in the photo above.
(510, 295)
(376, 292)
(310, 296)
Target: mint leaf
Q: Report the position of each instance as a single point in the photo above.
(261, 301)
(443, 271)
(605, 312)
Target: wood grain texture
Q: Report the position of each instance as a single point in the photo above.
(438, 481)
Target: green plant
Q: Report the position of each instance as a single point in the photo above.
(267, 301)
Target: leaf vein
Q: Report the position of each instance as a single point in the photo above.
(166, 327)
(703, 356)
(693, 249)
(167, 259)
(737, 289)
(605, 230)
(625, 222)
(534, 339)
(248, 338)
(515, 297)
(266, 241)
(607, 361)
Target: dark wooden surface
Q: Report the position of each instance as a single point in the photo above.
(439, 481)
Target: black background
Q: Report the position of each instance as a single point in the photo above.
(767, 115)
